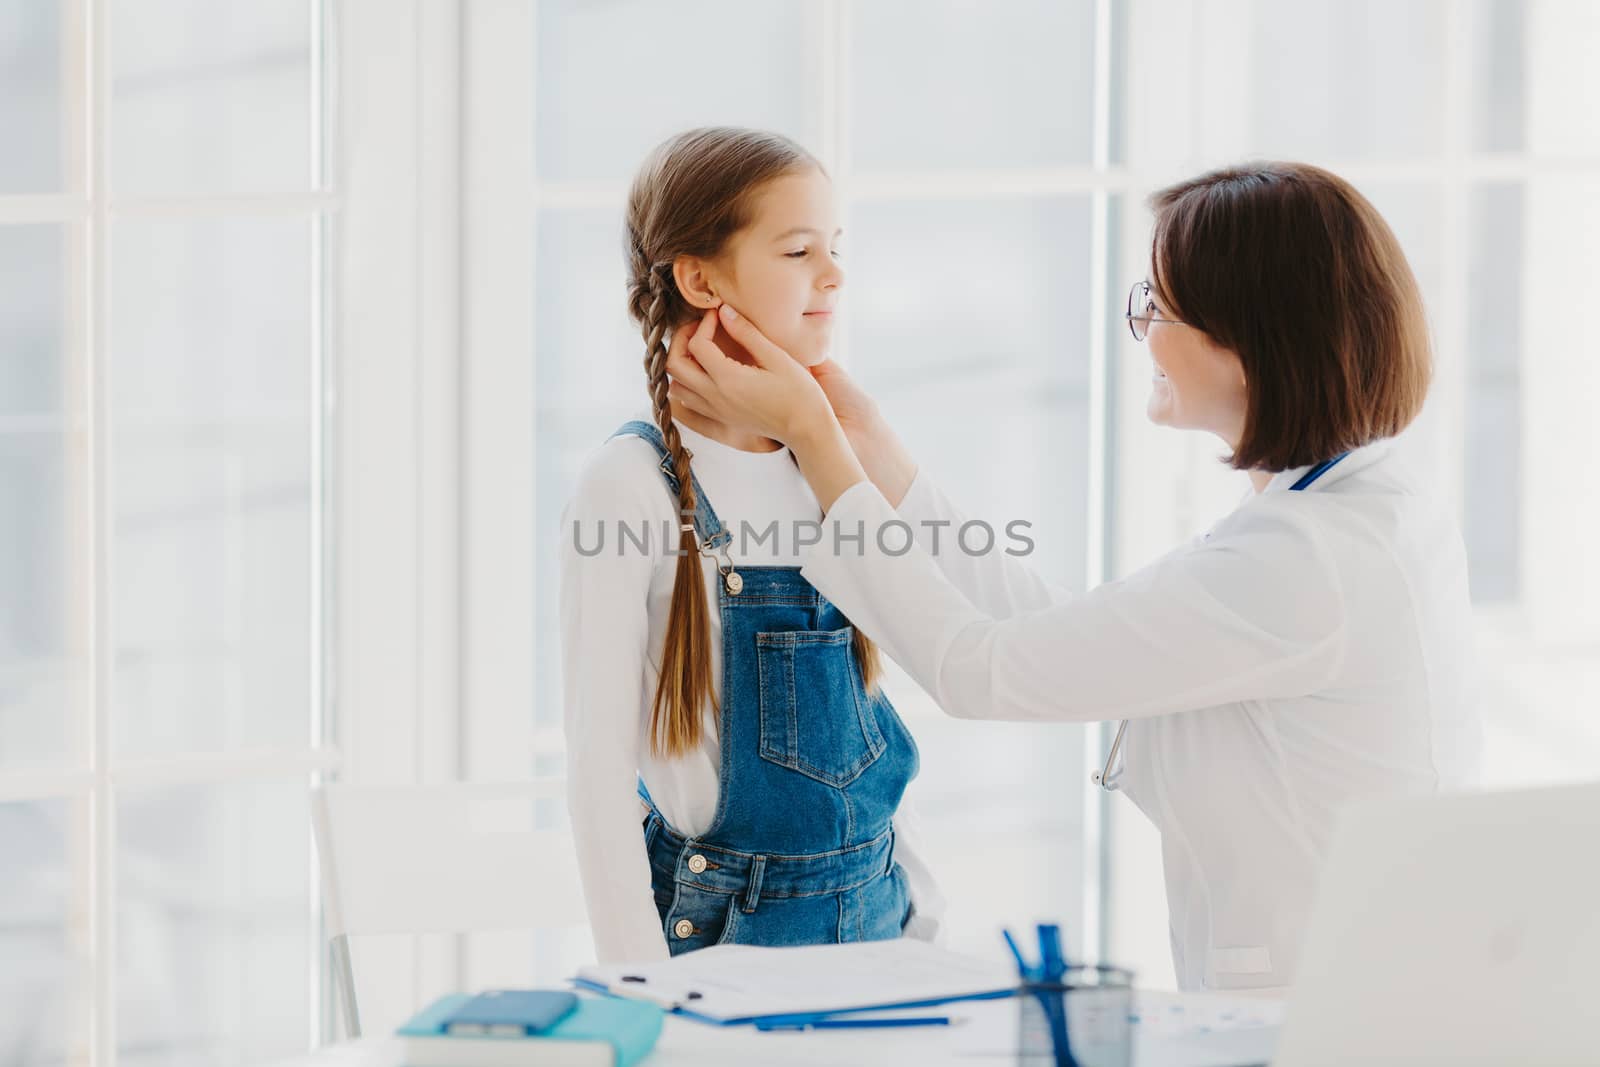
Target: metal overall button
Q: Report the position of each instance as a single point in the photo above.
(715, 546)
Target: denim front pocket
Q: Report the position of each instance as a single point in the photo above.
(816, 717)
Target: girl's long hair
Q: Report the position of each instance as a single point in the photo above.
(692, 194)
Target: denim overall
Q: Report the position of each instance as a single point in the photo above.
(800, 850)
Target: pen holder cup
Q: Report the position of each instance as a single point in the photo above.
(1080, 1021)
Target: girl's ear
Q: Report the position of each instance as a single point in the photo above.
(693, 277)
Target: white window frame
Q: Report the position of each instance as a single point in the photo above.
(92, 774)
(435, 577)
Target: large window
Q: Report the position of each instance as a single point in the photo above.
(162, 315)
(170, 303)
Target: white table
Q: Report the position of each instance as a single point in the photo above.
(986, 1035)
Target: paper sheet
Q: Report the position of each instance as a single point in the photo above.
(742, 981)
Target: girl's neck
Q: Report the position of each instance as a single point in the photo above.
(722, 433)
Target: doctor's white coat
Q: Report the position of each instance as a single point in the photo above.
(1312, 648)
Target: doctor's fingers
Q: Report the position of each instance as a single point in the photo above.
(713, 361)
(682, 366)
(682, 398)
(767, 355)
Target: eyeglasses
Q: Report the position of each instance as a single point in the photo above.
(1142, 311)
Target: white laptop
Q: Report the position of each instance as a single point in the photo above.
(1455, 930)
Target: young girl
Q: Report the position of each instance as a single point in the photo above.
(734, 772)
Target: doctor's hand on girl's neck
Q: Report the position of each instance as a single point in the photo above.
(782, 272)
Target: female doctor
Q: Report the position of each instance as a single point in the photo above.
(1312, 648)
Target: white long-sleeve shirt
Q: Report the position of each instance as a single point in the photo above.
(1312, 648)
(613, 626)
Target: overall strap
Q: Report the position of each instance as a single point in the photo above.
(708, 528)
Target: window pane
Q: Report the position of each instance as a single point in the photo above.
(1307, 103)
(1534, 379)
(1223, 80)
(44, 623)
(1559, 379)
(991, 394)
(211, 429)
(1497, 30)
(998, 370)
(963, 84)
(214, 936)
(590, 352)
(614, 79)
(1493, 438)
(589, 378)
(1561, 82)
(33, 279)
(210, 96)
(44, 979)
(44, 620)
(31, 120)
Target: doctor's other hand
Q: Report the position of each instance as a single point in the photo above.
(883, 456)
(856, 411)
(775, 397)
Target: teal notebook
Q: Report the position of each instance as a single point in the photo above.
(630, 1027)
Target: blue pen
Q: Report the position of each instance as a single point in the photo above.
(1023, 970)
(1054, 964)
(858, 1024)
(1054, 968)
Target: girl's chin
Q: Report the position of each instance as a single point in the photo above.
(807, 353)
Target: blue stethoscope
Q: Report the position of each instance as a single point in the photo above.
(1108, 776)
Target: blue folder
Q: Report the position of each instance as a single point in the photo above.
(631, 1027)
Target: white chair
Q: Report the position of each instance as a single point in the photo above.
(439, 859)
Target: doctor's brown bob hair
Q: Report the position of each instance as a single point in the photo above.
(1294, 271)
